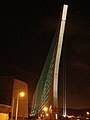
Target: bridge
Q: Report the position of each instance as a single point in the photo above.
(45, 98)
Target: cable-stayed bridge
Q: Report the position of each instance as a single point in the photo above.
(45, 98)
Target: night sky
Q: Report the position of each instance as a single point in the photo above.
(27, 28)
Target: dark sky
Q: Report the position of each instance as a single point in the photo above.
(27, 28)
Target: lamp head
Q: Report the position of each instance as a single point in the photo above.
(22, 94)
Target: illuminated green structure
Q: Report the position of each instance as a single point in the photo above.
(41, 95)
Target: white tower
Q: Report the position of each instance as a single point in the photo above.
(57, 60)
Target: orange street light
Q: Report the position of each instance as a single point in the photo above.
(87, 113)
(21, 94)
(45, 109)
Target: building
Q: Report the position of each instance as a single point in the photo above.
(11, 98)
(5, 111)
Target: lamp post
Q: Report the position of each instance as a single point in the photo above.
(21, 94)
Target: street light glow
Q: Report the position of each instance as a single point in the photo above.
(87, 113)
(45, 109)
(47, 114)
(22, 94)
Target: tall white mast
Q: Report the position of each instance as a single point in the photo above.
(58, 54)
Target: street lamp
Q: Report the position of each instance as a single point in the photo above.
(45, 109)
(21, 94)
(87, 113)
